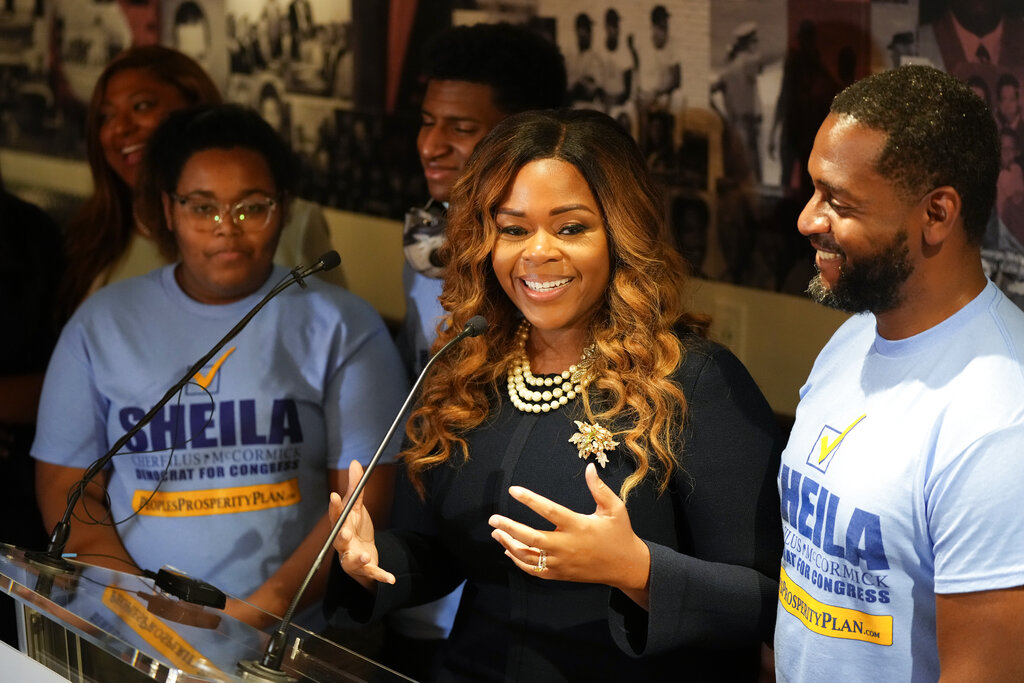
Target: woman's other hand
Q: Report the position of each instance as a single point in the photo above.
(357, 551)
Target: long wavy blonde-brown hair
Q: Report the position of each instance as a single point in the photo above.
(635, 329)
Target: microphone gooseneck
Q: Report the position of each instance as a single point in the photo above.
(62, 530)
(268, 668)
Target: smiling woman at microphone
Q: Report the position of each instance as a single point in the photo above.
(228, 483)
(592, 385)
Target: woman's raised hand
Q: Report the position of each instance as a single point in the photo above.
(596, 548)
(357, 551)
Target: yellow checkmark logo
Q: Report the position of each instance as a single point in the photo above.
(204, 380)
(827, 448)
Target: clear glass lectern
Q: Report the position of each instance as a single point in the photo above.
(92, 624)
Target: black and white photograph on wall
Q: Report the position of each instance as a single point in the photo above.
(643, 63)
(723, 97)
(894, 35)
(748, 47)
(51, 52)
(197, 28)
(982, 43)
(294, 61)
(306, 43)
(780, 64)
(354, 161)
(647, 65)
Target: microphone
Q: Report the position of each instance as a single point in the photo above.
(51, 557)
(326, 262)
(268, 668)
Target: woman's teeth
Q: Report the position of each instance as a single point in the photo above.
(545, 286)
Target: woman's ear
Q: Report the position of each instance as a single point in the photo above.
(168, 204)
(942, 208)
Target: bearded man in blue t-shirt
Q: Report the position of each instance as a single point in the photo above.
(900, 486)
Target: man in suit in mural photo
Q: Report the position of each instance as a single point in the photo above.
(1008, 114)
(974, 32)
(475, 77)
(982, 42)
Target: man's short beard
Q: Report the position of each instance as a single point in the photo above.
(874, 284)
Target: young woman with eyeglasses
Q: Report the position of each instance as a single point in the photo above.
(229, 483)
(133, 94)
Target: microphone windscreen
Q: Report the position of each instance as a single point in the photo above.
(476, 325)
(330, 260)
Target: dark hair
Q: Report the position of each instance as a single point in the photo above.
(979, 83)
(187, 132)
(1006, 79)
(188, 13)
(634, 329)
(938, 132)
(268, 92)
(525, 70)
(102, 228)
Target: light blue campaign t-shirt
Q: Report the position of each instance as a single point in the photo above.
(902, 479)
(231, 475)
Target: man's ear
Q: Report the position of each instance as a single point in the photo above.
(942, 208)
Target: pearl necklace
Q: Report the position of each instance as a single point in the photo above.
(552, 392)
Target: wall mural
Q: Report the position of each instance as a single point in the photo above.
(723, 97)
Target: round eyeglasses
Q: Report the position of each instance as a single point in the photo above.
(203, 214)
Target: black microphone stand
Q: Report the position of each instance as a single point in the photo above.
(268, 668)
(52, 556)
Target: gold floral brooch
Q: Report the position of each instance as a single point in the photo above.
(593, 439)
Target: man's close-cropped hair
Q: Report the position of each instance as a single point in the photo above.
(939, 132)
